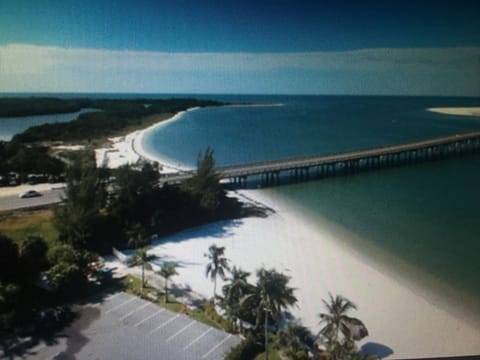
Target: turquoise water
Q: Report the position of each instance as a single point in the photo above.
(426, 215)
(304, 126)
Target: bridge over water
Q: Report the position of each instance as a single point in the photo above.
(304, 168)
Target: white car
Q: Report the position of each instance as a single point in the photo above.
(29, 194)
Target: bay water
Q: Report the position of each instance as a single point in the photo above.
(10, 126)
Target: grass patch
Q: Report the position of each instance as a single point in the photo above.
(132, 285)
(205, 314)
(20, 224)
(208, 315)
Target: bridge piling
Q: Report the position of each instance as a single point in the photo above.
(324, 166)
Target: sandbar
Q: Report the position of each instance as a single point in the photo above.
(462, 111)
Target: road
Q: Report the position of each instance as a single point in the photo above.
(13, 202)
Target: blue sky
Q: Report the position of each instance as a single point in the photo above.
(264, 46)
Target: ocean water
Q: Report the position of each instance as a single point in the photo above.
(424, 215)
(303, 126)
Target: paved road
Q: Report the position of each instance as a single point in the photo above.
(124, 327)
(11, 202)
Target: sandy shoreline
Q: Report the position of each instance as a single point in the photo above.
(402, 321)
(463, 111)
(398, 317)
(128, 149)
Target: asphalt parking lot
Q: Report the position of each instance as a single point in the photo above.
(123, 326)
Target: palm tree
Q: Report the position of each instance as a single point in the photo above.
(234, 291)
(295, 340)
(167, 271)
(275, 296)
(137, 236)
(217, 265)
(340, 330)
(142, 258)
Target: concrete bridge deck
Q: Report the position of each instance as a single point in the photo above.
(377, 157)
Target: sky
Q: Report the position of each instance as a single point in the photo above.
(417, 47)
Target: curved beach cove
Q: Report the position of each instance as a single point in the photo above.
(400, 243)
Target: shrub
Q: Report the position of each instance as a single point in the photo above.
(246, 350)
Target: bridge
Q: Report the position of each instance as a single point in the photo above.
(269, 173)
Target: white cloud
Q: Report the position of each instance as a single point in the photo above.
(25, 67)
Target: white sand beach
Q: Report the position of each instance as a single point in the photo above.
(463, 111)
(403, 320)
(128, 149)
(400, 319)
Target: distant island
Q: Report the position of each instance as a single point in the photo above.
(114, 117)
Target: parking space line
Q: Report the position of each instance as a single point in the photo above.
(135, 310)
(164, 324)
(216, 346)
(149, 317)
(181, 330)
(119, 306)
(198, 338)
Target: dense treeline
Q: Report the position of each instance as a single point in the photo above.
(115, 207)
(12, 106)
(25, 160)
(38, 106)
(115, 116)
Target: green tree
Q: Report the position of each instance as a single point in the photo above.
(167, 270)
(137, 236)
(9, 259)
(143, 259)
(33, 255)
(275, 296)
(294, 340)
(205, 184)
(9, 296)
(339, 330)
(69, 267)
(85, 197)
(217, 265)
(63, 253)
(65, 276)
(236, 289)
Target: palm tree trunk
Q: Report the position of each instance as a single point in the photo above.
(143, 278)
(214, 289)
(166, 291)
(266, 334)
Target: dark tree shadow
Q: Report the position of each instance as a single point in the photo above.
(372, 348)
(217, 230)
(15, 346)
(187, 293)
